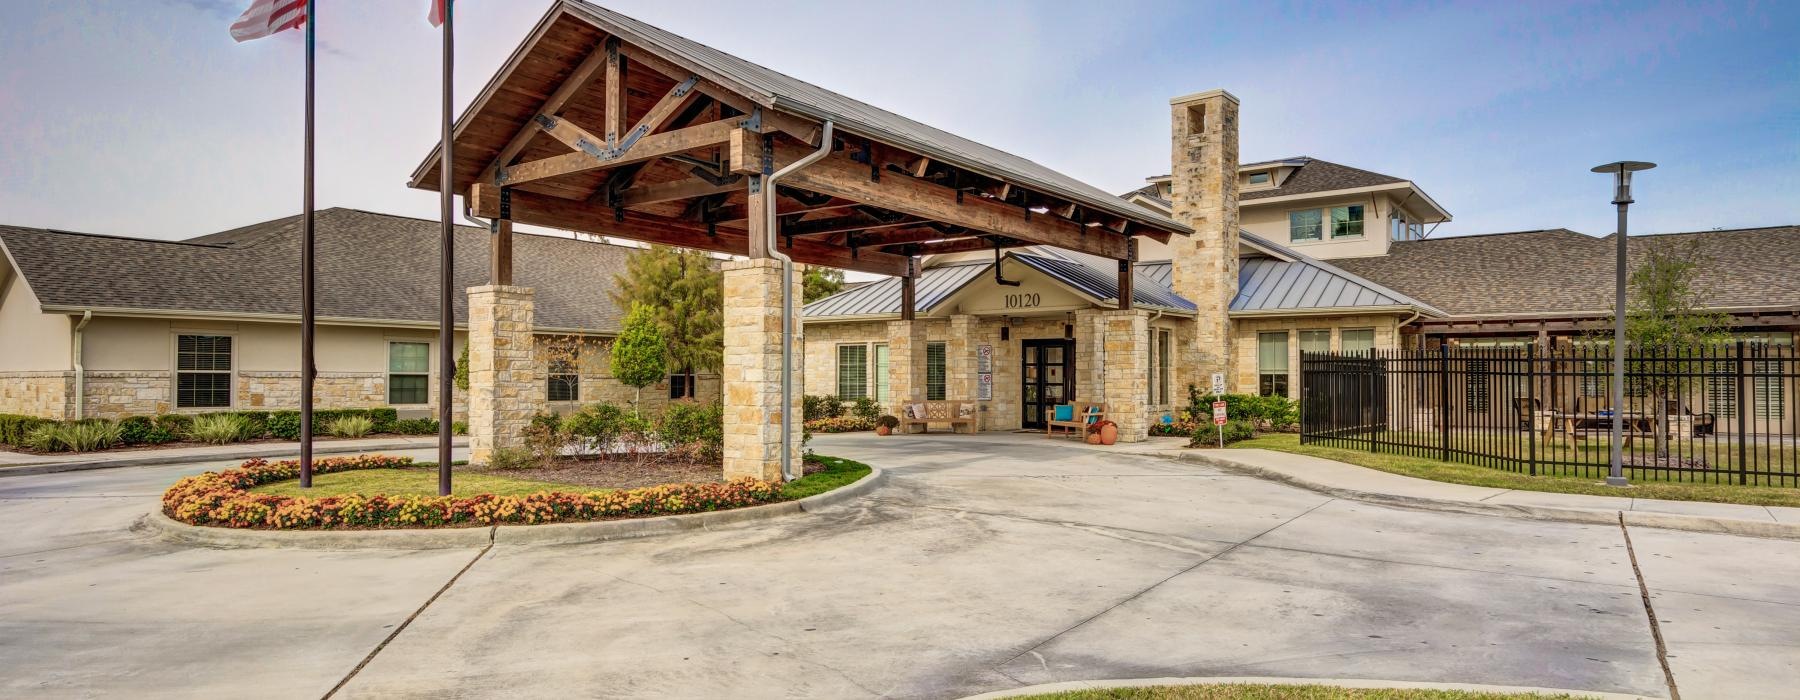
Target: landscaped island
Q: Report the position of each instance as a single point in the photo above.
(232, 498)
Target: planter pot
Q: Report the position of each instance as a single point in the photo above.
(883, 430)
(1093, 438)
(1109, 434)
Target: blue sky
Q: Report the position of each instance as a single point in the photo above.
(143, 118)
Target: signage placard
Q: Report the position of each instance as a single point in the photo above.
(984, 360)
(1218, 413)
(985, 386)
(1218, 383)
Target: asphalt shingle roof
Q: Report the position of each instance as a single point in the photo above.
(1320, 176)
(1558, 271)
(370, 266)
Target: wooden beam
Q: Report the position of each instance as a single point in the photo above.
(680, 189)
(652, 146)
(615, 94)
(846, 225)
(571, 134)
(839, 176)
(582, 75)
(915, 235)
(1125, 290)
(500, 254)
(804, 129)
(555, 212)
(963, 245)
(908, 296)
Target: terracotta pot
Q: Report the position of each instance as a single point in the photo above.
(1109, 434)
(1093, 438)
(883, 430)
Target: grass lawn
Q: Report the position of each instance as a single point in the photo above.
(1456, 473)
(415, 481)
(1236, 691)
(837, 472)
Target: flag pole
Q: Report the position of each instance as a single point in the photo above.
(446, 268)
(307, 371)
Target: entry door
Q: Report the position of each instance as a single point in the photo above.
(1047, 378)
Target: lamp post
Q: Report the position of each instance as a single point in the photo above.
(1621, 171)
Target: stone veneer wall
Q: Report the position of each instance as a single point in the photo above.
(41, 394)
(752, 373)
(1127, 363)
(1244, 335)
(1204, 164)
(504, 388)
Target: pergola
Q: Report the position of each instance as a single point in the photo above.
(601, 124)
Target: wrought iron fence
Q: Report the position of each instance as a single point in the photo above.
(1718, 414)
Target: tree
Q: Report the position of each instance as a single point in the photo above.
(637, 354)
(685, 295)
(821, 282)
(1666, 323)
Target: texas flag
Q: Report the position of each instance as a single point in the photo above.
(437, 12)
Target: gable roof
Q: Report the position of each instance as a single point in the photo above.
(1558, 271)
(371, 267)
(1314, 175)
(1091, 276)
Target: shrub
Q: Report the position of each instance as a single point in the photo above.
(176, 424)
(816, 407)
(866, 407)
(459, 427)
(840, 424)
(1275, 412)
(256, 424)
(135, 430)
(692, 428)
(545, 443)
(351, 426)
(416, 426)
(1208, 436)
(14, 427)
(511, 458)
(886, 421)
(223, 499)
(219, 428)
(284, 425)
(42, 438)
(546, 420)
(599, 422)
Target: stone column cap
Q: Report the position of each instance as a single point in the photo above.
(1201, 96)
(502, 289)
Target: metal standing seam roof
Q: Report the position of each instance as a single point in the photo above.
(883, 297)
(791, 94)
(1104, 284)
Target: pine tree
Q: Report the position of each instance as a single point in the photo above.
(637, 354)
(684, 292)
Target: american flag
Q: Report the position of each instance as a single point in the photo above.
(267, 17)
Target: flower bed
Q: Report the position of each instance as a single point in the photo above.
(223, 499)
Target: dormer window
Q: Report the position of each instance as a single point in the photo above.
(1259, 178)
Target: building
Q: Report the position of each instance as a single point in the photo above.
(106, 326)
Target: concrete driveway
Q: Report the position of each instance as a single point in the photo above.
(987, 562)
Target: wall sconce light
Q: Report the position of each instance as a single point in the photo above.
(1005, 333)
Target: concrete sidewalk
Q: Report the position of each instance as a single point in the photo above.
(17, 463)
(1361, 483)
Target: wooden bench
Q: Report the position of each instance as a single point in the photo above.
(937, 412)
(1082, 415)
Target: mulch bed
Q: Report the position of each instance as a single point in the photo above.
(622, 472)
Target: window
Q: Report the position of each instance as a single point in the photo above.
(409, 378)
(1318, 340)
(881, 374)
(934, 371)
(1721, 389)
(1261, 178)
(852, 372)
(1358, 340)
(1272, 363)
(1303, 225)
(1767, 389)
(1475, 387)
(1158, 375)
(1347, 222)
(564, 382)
(203, 371)
(681, 385)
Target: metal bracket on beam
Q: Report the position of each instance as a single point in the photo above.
(754, 122)
(768, 155)
(506, 202)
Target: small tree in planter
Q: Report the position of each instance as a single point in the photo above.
(886, 424)
(637, 356)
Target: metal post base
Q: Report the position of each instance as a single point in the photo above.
(1617, 481)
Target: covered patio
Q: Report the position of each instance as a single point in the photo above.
(603, 125)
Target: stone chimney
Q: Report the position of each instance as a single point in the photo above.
(1204, 164)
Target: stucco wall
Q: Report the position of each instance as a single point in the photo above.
(30, 340)
(1271, 221)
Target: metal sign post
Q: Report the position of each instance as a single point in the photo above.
(1218, 406)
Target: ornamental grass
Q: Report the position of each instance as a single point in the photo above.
(223, 499)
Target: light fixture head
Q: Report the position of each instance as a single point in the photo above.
(1621, 171)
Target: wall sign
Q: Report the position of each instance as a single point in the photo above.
(1024, 301)
(985, 387)
(984, 359)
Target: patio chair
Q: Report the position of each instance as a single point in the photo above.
(1704, 423)
(1525, 408)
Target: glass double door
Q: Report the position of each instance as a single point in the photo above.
(1047, 378)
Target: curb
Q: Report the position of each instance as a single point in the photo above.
(156, 524)
(283, 450)
(1589, 516)
(1339, 682)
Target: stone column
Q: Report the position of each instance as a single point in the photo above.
(1127, 361)
(752, 371)
(1204, 164)
(960, 363)
(906, 363)
(504, 390)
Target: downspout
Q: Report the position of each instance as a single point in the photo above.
(787, 298)
(80, 372)
(1414, 317)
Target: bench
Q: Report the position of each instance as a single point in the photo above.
(951, 412)
(1082, 414)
